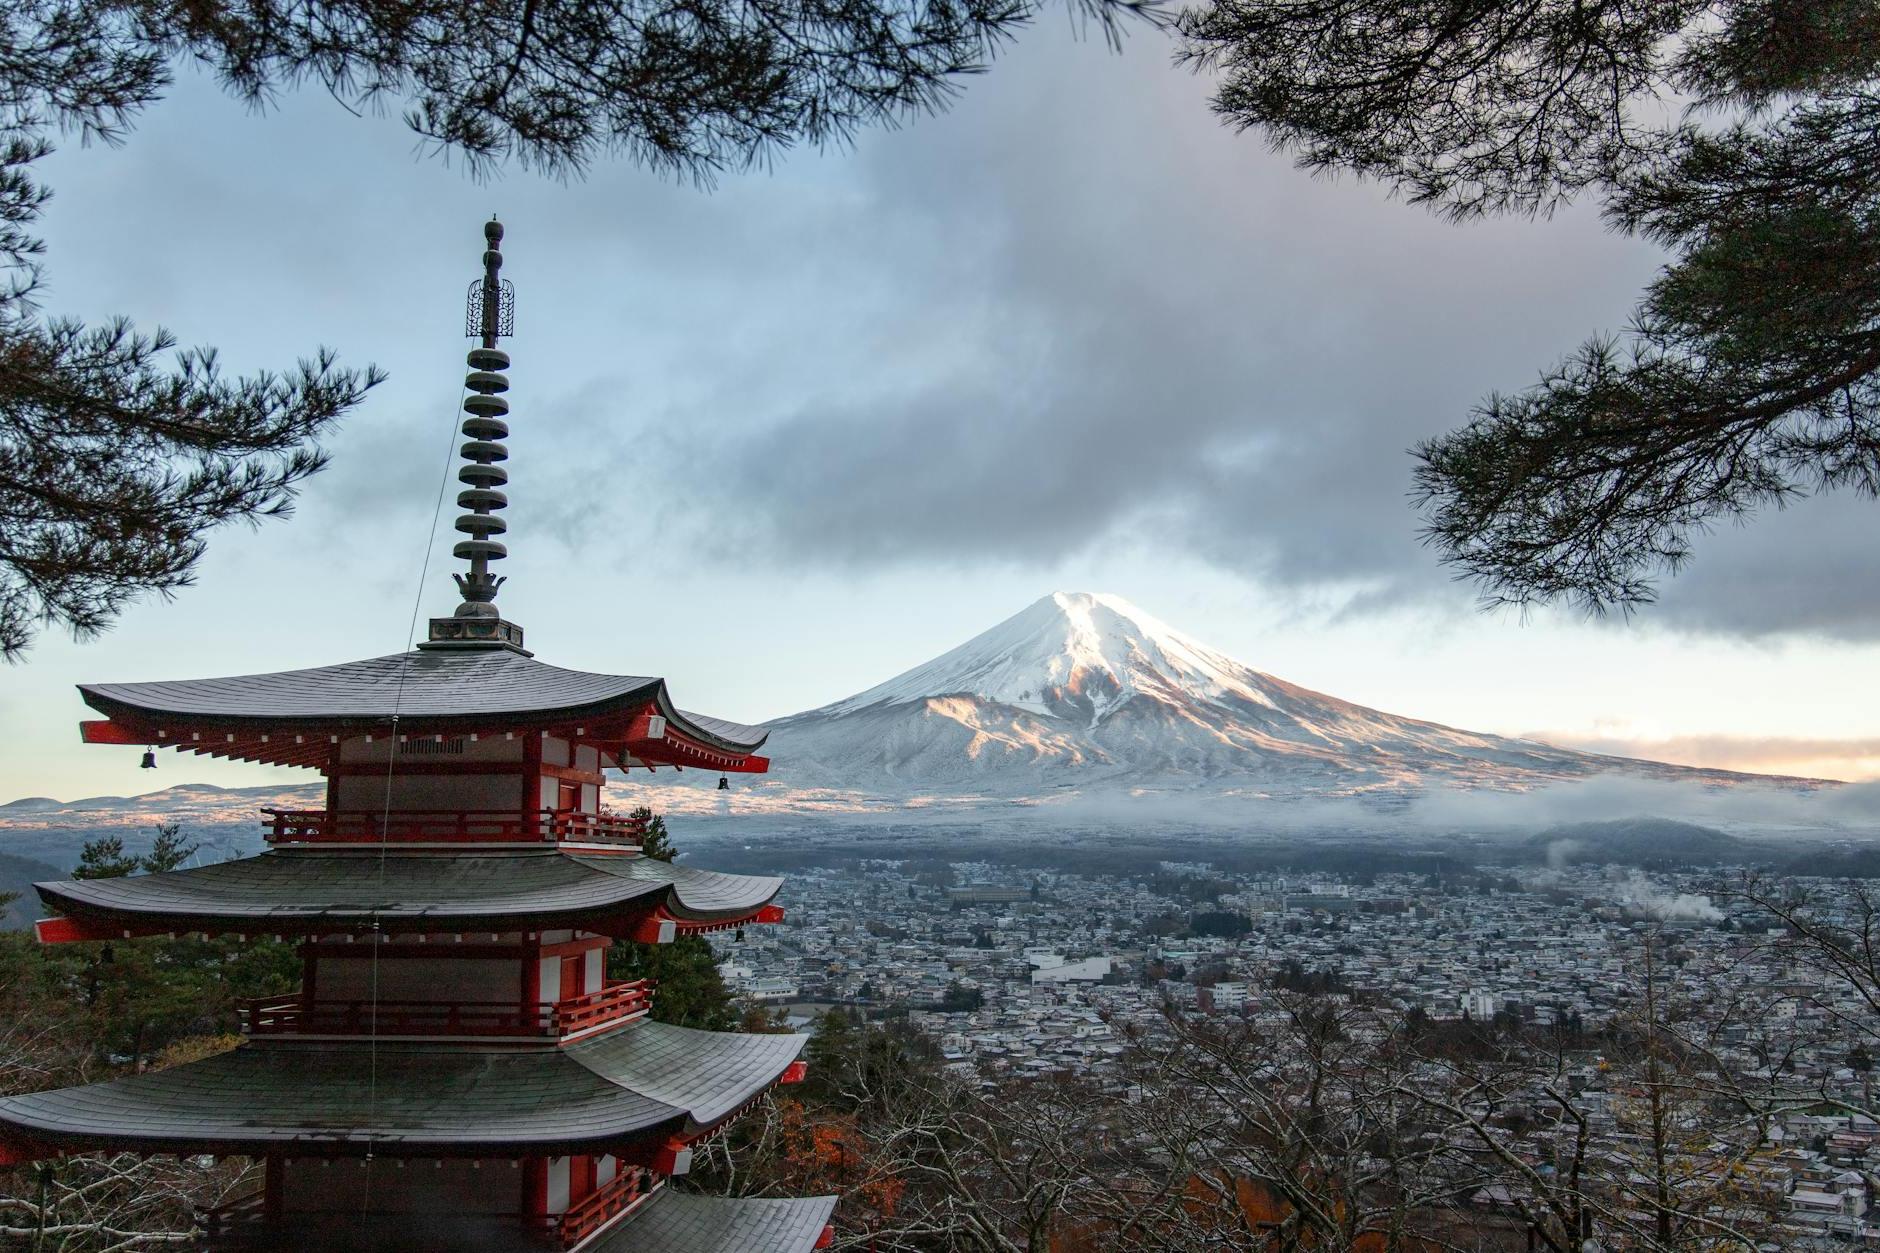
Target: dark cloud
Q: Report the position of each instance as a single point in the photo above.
(1118, 322)
(1806, 569)
(1072, 314)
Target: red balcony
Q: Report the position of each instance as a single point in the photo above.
(449, 826)
(290, 1015)
(624, 999)
(600, 1207)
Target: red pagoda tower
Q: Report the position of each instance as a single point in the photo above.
(455, 1072)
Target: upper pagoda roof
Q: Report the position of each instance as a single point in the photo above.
(310, 890)
(602, 1094)
(418, 686)
(670, 1221)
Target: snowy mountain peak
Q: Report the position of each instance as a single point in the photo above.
(1081, 688)
(1073, 655)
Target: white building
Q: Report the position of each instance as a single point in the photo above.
(1480, 1005)
(1089, 970)
(1229, 996)
(770, 988)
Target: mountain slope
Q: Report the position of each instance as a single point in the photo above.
(1081, 689)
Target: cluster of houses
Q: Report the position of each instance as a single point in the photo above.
(1033, 972)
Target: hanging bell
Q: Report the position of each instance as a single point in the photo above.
(150, 759)
(724, 784)
(740, 935)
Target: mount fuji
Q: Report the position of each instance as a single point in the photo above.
(1088, 691)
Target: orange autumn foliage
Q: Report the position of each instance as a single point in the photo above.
(1257, 1211)
(828, 1152)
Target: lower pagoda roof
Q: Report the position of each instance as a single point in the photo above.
(309, 890)
(603, 1095)
(670, 1221)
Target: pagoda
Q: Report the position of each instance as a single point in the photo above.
(455, 1071)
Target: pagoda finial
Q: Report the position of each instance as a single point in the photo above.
(489, 315)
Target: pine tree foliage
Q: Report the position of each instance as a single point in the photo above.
(105, 858)
(169, 850)
(655, 840)
(116, 457)
(689, 991)
(1738, 134)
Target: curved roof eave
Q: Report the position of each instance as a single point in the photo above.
(697, 894)
(417, 687)
(644, 1078)
(709, 1074)
(670, 1221)
(420, 1098)
(306, 890)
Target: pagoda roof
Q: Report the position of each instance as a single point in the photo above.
(316, 889)
(604, 1095)
(666, 1221)
(670, 1221)
(453, 690)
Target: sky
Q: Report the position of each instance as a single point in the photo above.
(782, 439)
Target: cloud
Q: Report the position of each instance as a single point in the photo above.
(1807, 569)
(1074, 313)
(1748, 810)
(1120, 322)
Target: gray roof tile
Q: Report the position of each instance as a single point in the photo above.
(709, 1074)
(671, 1221)
(702, 892)
(301, 889)
(409, 1097)
(414, 685)
(600, 1092)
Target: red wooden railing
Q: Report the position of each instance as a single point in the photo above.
(448, 826)
(289, 1015)
(613, 1002)
(599, 1207)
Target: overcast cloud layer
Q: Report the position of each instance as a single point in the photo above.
(1075, 312)
(1157, 330)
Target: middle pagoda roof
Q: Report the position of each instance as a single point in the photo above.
(598, 1095)
(311, 890)
(290, 717)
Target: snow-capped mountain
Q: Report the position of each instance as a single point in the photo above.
(1082, 689)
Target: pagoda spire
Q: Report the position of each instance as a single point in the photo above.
(490, 315)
